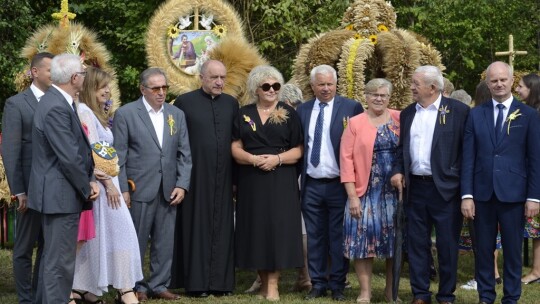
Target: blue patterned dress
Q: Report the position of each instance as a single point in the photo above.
(373, 234)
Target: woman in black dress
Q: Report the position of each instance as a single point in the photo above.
(267, 146)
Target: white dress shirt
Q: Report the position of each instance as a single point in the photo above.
(157, 120)
(37, 92)
(421, 133)
(328, 167)
(506, 104)
(65, 94)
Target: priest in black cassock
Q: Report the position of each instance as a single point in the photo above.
(203, 260)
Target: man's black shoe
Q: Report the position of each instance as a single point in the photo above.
(315, 293)
(337, 295)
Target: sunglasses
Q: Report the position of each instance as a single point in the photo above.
(266, 86)
(157, 90)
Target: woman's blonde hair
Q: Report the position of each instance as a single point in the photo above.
(95, 79)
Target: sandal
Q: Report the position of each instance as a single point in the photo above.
(119, 294)
(82, 299)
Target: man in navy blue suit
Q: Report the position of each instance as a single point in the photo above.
(500, 182)
(427, 168)
(323, 195)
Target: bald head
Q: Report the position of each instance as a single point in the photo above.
(499, 79)
(213, 74)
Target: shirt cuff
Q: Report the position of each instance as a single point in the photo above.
(467, 196)
(533, 200)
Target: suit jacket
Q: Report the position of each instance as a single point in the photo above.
(17, 139)
(446, 147)
(62, 164)
(140, 157)
(344, 108)
(510, 168)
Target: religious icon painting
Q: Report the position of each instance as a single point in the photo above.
(190, 49)
(182, 34)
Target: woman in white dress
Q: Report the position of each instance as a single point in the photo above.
(112, 257)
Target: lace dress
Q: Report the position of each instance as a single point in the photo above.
(113, 256)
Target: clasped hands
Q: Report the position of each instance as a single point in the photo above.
(265, 162)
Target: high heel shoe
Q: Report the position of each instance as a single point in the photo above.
(119, 294)
(83, 299)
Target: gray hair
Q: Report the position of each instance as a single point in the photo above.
(322, 69)
(146, 74)
(448, 86)
(376, 83)
(462, 96)
(508, 68)
(291, 93)
(432, 75)
(63, 67)
(259, 74)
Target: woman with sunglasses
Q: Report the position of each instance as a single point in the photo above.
(267, 145)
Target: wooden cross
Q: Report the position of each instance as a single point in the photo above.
(64, 15)
(511, 53)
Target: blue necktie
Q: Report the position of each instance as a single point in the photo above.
(317, 137)
(498, 124)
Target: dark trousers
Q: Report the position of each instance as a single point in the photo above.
(323, 204)
(57, 267)
(509, 217)
(28, 232)
(425, 208)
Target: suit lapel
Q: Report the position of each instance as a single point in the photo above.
(439, 124)
(490, 123)
(407, 124)
(166, 128)
(335, 110)
(307, 119)
(30, 99)
(145, 117)
(513, 107)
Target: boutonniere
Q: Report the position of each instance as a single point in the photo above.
(442, 117)
(171, 123)
(278, 116)
(345, 122)
(511, 117)
(250, 122)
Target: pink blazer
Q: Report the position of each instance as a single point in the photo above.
(356, 152)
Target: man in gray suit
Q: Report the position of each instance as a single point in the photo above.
(152, 143)
(61, 179)
(17, 156)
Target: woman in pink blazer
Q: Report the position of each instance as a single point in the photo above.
(368, 148)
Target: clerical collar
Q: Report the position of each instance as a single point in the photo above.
(208, 95)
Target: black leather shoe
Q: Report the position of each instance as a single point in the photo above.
(337, 295)
(315, 293)
(198, 294)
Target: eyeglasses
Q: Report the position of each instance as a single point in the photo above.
(81, 73)
(382, 96)
(266, 86)
(157, 90)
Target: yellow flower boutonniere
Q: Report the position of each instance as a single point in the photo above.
(442, 117)
(345, 122)
(511, 117)
(278, 116)
(171, 123)
(250, 122)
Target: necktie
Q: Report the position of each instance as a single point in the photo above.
(498, 123)
(317, 136)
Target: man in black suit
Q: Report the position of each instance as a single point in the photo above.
(427, 168)
(17, 156)
(62, 183)
(323, 195)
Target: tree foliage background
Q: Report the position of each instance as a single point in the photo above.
(467, 33)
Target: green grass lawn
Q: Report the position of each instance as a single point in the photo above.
(530, 294)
